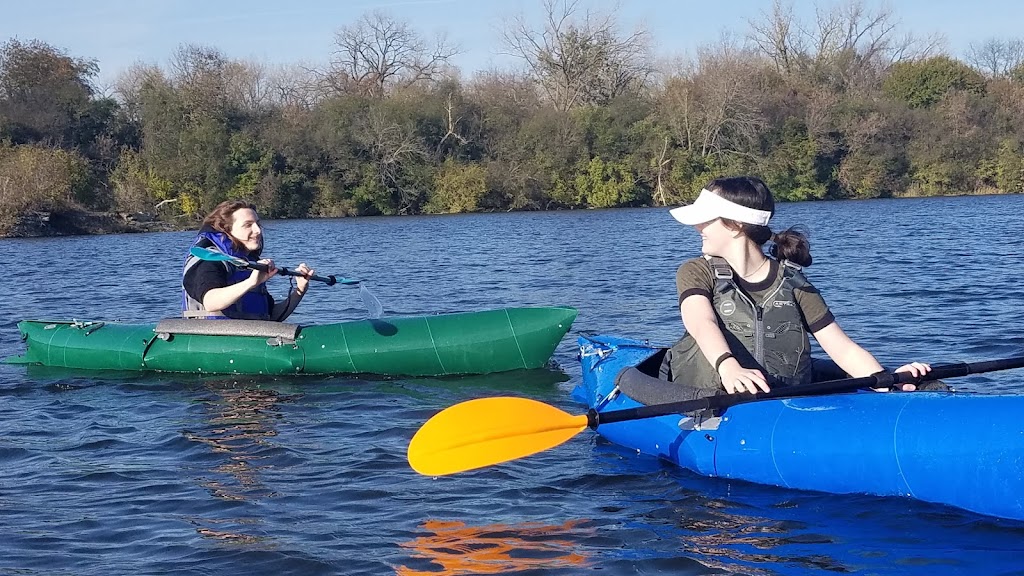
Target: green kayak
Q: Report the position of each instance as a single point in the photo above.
(443, 344)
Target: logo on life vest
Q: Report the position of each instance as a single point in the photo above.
(727, 308)
(781, 303)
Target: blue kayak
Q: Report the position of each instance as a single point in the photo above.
(962, 450)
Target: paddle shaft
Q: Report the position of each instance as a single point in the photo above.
(880, 380)
(329, 280)
(217, 256)
(371, 302)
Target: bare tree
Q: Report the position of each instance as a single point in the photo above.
(777, 37)
(662, 164)
(391, 146)
(127, 87)
(713, 104)
(199, 73)
(379, 52)
(848, 45)
(295, 86)
(247, 85)
(452, 125)
(579, 61)
(996, 58)
(504, 89)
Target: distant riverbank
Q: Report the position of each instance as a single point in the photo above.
(81, 222)
(73, 222)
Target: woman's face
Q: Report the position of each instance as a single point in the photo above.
(245, 229)
(714, 236)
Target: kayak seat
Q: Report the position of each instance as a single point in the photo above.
(257, 328)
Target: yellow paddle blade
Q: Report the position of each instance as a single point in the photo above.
(489, 431)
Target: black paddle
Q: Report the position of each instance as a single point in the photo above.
(216, 256)
(880, 380)
(488, 431)
(373, 306)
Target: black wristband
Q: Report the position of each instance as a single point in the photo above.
(722, 358)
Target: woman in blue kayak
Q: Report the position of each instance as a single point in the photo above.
(218, 290)
(748, 315)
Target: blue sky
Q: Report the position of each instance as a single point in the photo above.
(120, 32)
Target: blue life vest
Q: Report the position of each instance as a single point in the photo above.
(253, 305)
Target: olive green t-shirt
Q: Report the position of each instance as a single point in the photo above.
(697, 277)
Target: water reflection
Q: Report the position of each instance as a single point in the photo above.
(240, 424)
(456, 548)
(724, 539)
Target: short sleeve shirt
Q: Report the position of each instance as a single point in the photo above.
(205, 276)
(696, 276)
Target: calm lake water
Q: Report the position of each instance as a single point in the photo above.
(170, 474)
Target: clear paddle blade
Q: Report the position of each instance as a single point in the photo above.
(373, 306)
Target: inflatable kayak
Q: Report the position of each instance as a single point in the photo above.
(962, 450)
(463, 343)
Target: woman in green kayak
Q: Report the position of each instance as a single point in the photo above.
(218, 290)
(747, 314)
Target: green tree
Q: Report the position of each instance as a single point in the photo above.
(603, 184)
(457, 188)
(137, 187)
(874, 141)
(923, 83)
(38, 178)
(44, 93)
(1009, 167)
(794, 171)
(1017, 74)
(949, 143)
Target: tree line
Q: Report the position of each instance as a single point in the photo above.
(843, 106)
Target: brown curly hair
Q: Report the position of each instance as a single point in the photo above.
(222, 217)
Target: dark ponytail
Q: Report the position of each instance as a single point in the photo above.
(791, 244)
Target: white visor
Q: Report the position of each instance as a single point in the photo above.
(710, 206)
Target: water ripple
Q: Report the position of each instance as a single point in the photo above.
(176, 474)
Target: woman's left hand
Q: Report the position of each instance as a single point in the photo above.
(918, 369)
(302, 282)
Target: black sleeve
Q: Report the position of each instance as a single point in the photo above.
(203, 277)
(694, 277)
(815, 311)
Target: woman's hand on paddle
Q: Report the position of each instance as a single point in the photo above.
(302, 282)
(736, 378)
(261, 276)
(918, 369)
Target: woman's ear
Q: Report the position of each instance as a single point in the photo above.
(735, 227)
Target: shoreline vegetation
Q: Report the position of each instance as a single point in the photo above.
(847, 106)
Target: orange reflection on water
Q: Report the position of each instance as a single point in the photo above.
(496, 548)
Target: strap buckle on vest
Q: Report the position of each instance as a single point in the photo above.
(720, 267)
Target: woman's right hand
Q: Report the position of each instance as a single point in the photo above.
(260, 276)
(736, 378)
